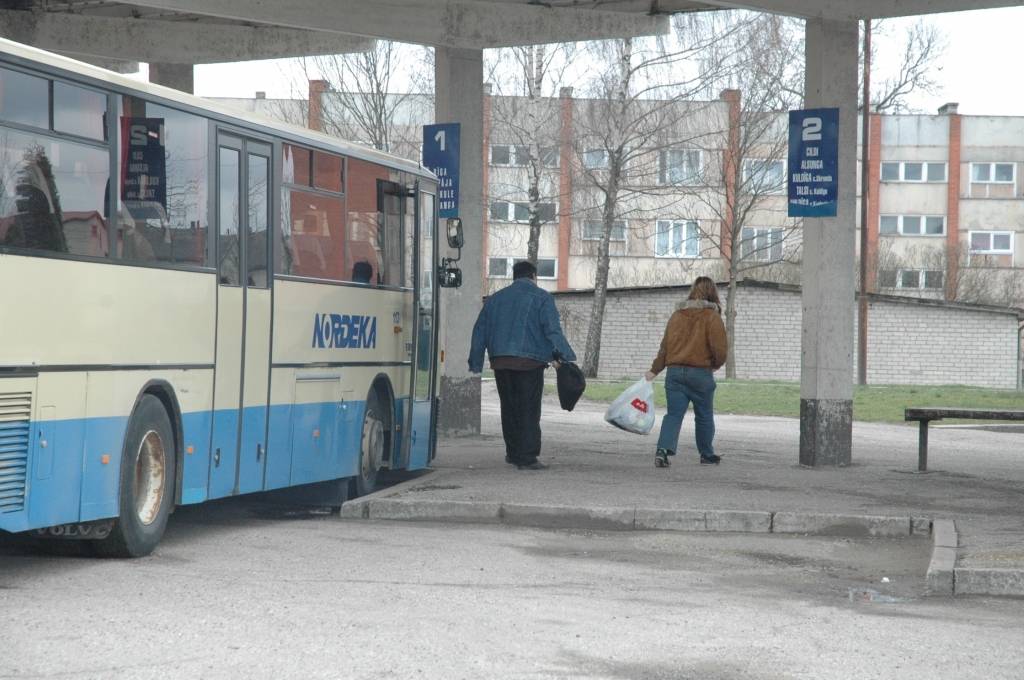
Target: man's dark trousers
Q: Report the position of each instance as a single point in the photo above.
(520, 393)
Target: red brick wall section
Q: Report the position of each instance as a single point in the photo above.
(484, 220)
(316, 90)
(874, 186)
(732, 152)
(565, 165)
(953, 209)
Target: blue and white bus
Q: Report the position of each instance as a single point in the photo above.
(197, 304)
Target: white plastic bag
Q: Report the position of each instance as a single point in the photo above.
(633, 410)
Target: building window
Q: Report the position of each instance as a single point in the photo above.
(933, 278)
(679, 166)
(912, 279)
(592, 230)
(764, 175)
(991, 242)
(677, 238)
(519, 211)
(912, 225)
(549, 156)
(913, 171)
(498, 268)
(595, 159)
(510, 154)
(993, 173)
(763, 245)
(501, 267)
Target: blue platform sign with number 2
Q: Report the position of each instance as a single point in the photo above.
(813, 162)
(441, 157)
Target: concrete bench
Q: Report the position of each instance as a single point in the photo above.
(926, 415)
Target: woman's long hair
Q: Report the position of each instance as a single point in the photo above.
(705, 289)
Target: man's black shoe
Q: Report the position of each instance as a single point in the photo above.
(710, 460)
(535, 465)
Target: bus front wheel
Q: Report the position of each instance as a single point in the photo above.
(147, 483)
(371, 446)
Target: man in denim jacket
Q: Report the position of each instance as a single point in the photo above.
(520, 329)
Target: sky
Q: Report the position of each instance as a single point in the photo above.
(978, 70)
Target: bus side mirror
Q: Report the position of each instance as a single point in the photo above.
(455, 239)
(448, 275)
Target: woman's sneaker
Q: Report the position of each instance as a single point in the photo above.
(710, 460)
(661, 458)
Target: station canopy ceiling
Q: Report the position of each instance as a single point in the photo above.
(206, 31)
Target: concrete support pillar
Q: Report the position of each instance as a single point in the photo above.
(459, 95)
(178, 76)
(829, 244)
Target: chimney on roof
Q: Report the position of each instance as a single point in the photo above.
(565, 92)
(261, 95)
(948, 109)
(316, 90)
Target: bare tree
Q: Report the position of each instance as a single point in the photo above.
(636, 140)
(525, 132)
(748, 197)
(380, 97)
(921, 46)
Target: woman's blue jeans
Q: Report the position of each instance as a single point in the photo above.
(685, 384)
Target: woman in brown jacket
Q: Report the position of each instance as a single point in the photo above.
(693, 347)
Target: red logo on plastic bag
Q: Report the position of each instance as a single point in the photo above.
(639, 404)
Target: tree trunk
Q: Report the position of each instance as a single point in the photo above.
(534, 79)
(730, 324)
(592, 357)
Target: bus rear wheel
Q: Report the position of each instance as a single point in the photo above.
(147, 483)
(371, 446)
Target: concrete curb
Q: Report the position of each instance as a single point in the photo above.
(976, 581)
(628, 518)
(357, 508)
(943, 577)
(941, 569)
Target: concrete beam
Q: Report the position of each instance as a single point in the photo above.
(843, 10)
(179, 76)
(455, 23)
(169, 42)
(115, 65)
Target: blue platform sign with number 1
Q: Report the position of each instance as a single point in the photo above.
(813, 162)
(441, 157)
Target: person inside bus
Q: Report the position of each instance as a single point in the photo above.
(520, 330)
(362, 272)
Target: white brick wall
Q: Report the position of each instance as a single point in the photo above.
(910, 341)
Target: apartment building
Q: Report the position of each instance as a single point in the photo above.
(945, 196)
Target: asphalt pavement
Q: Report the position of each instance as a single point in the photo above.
(601, 477)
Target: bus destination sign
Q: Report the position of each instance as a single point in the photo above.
(813, 162)
(441, 157)
(143, 171)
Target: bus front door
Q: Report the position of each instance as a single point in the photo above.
(242, 377)
(422, 412)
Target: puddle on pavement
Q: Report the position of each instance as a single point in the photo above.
(865, 595)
